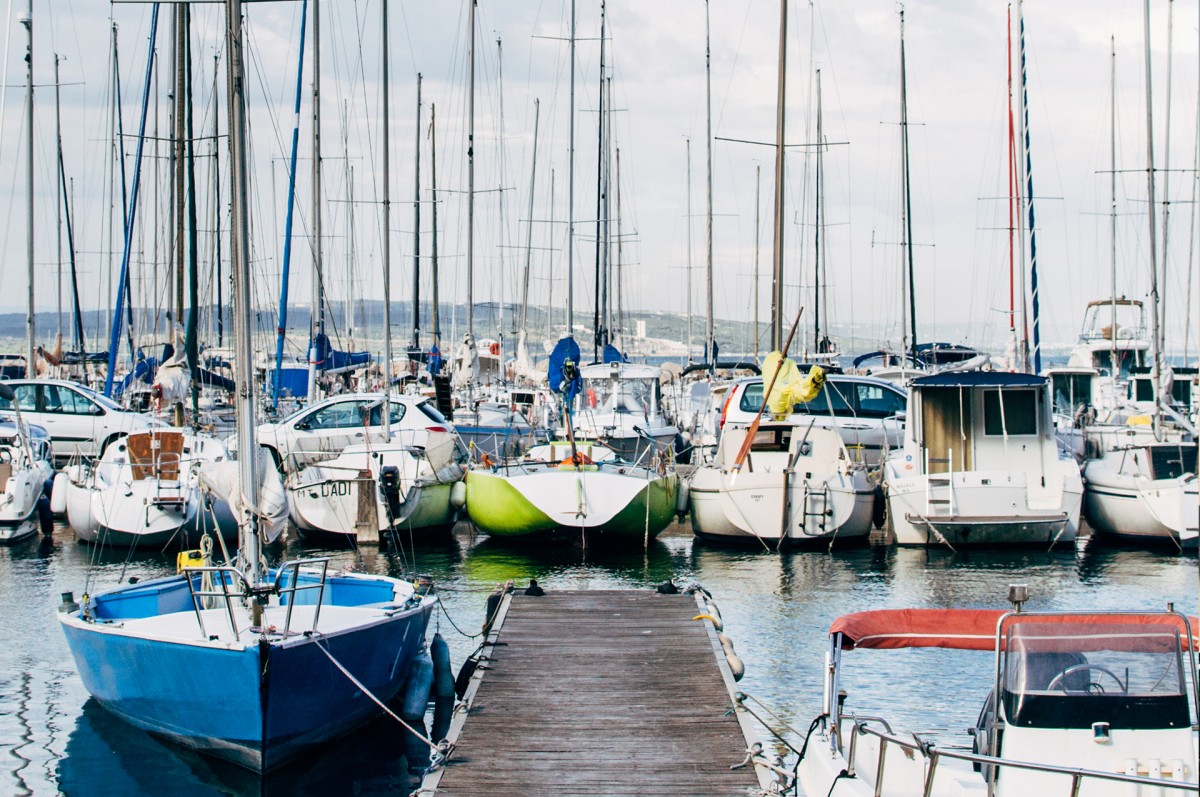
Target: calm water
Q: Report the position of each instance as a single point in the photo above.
(777, 609)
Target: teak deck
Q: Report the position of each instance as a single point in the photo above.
(599, 693)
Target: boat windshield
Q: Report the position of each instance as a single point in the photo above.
(1074, 674)
(634, 396)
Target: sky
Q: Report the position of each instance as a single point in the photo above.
(654, 62)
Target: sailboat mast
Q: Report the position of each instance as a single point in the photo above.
(435, 320)
(415, 345)
(285, 277)
(1114, 371)
(1160, 343)
(1035, 301)
(216, 172)
(471, 171)
(386, 411)
(688, 141)
(598, 320)
(30, 331)
(65, 214)
(708, 216)
(817, 226)
(757, 197)
(1012, 199)
(537, 109)
(249, 547)
(60, 189)
(777, 221)
(1154, 319)
(318, 299)
(571, 187)
(907, 236)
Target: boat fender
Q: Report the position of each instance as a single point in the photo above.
(58, 493)
(443, 677)
(492, 607)
(879, 509)
(416, 688)
(711, 608)
(726, 642)
(469, 665)
(736, 666)
(45, 516)
(715, 621)
(681, 500)
(458, 494)
(443, 713)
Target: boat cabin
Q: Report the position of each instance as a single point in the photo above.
(979, 420)
(1114, 337)
(620, 389)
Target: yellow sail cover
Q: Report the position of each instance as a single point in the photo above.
(790, 386)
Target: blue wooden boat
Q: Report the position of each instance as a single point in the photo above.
(178, 658)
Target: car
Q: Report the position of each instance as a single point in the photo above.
(322, 430)
(869, 413)
(78, 419)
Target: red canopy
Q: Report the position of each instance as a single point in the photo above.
(965, 629)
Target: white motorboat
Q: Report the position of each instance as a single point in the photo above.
(980, 465)
(1144, 493)
(144, 492)
(1113, 341)
(1088, 704)
(799, 485)
(369, 491)
(25, 470)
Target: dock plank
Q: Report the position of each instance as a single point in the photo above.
(613, 692)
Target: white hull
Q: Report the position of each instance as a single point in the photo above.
(1125, 504)
(983, 508)
(19, 501)
(343, 496)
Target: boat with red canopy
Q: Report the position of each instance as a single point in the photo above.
(1081, 703)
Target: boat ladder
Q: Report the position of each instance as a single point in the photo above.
(940, 502)
(219, 585)
(814, 505)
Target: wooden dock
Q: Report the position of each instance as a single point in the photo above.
(599, 692)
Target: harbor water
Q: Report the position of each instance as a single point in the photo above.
(777, 609)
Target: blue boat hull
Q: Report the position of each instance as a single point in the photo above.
(258, 706)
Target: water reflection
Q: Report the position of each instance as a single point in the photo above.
(777, 609)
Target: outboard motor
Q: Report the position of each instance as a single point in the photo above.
(389, 483)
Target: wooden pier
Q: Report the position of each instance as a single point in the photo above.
(599, 692)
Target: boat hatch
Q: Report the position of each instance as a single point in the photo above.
(1172, 461)
(1067, 675)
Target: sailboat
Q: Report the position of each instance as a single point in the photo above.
(25, 470)
(253, 665)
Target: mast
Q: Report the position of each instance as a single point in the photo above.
(191, 332)
(817, 226)
(598, 321)
(415, 345)
(433, 253)
(471, 172)
(216, 172)
(178, 176)
(618, 324)
(317, 320)
(1112, 168)
(537, 109)
(65, 213)
(757, 197)
(777, 221)
(907, 234)
(387, 226)
(688, 142)
(30, 330)
(1154, 319)
(1012, 190)
(708, 215)
(60, 187)
(1166, 202)
(571, 189)
(1033, 273)
(249, 547)
(287, 226)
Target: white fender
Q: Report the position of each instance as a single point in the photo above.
(58, 494)
(458, 494)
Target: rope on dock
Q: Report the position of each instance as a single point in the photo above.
(441, 751)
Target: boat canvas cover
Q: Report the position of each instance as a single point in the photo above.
(973, 629)
(979, 379)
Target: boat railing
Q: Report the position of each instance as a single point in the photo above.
(228, 584)
(933, 754)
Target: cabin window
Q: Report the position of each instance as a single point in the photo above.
(1071, 391)
(1072, 674)
(1011, 412)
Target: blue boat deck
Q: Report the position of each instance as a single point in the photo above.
(599, 692)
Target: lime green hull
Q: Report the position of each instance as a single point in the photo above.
(543, 500)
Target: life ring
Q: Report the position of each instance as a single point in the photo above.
(494, 349)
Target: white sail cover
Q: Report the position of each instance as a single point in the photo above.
(173, 377)
(466, 362)
(221, 479)
(523, 367)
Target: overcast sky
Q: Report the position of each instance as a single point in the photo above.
(654, 54)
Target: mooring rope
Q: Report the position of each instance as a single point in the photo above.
(441, 750)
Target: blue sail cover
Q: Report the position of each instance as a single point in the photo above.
(435, 361)
(612, 355)
(563, 369)
(328, 358)
(143, 371)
